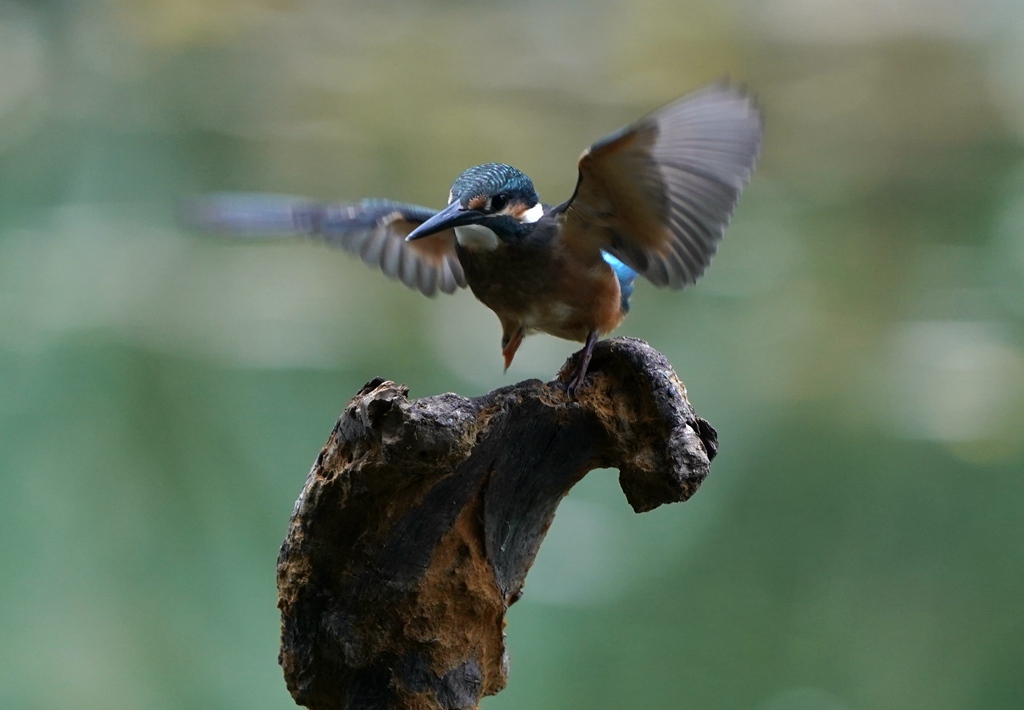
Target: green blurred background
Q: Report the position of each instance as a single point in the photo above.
(858, 341)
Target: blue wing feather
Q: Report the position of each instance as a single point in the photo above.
(372, 229)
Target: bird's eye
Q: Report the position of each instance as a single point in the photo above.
(498, 202)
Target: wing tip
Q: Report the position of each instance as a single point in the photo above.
(680, 270)
(248, 215)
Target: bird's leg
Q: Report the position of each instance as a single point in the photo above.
(510, 342)
(581, 370)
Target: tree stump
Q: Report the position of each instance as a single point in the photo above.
(415, 528)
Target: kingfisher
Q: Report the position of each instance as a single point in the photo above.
(652, 199)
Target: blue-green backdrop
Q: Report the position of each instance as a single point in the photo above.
(858, 341)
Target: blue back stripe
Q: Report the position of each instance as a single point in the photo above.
(626, 277)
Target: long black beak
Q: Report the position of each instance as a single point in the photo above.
(454, 215)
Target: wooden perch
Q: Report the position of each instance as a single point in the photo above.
(415, 529)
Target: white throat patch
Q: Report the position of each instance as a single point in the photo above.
(534, 213)
(476, 237)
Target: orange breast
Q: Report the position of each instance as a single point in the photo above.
(587, 299)
(546, 290)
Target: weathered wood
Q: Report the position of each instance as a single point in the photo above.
(419, 520)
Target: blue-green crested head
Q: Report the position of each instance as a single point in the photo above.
(489, 205)
(492, 186)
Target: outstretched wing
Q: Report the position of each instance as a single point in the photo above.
(658, 194)
(374, 230)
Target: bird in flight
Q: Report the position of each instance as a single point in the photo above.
(652, 199)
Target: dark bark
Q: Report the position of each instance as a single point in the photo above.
(419, 520)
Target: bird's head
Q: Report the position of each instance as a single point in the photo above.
(487, 205)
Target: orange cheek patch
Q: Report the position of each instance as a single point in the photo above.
(477, 203)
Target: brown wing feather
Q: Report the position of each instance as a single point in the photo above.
(374, 230)
(658, 194)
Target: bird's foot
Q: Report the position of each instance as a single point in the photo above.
(510, 342)
(573, 385)
(579, 374)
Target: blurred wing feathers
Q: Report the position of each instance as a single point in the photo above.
(658, 194)
(374, 230)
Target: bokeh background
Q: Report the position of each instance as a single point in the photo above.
(858, 341)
